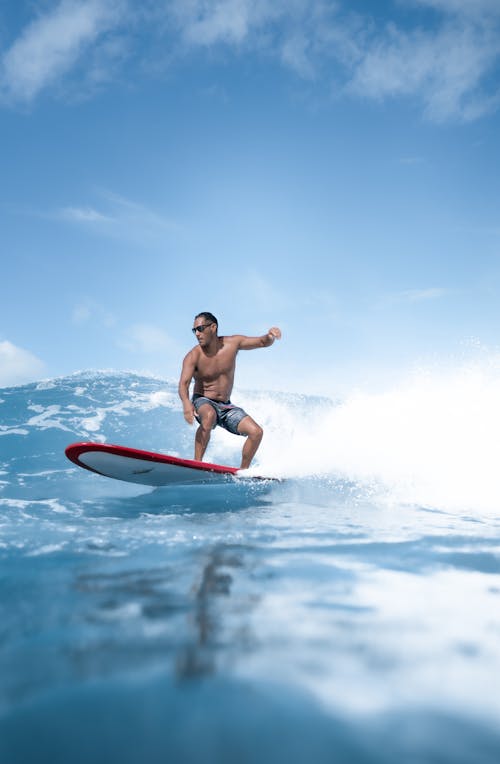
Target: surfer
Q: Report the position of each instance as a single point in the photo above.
(212, 364)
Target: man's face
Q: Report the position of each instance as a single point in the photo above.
(203, 330)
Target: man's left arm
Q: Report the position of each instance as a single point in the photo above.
(252, 343)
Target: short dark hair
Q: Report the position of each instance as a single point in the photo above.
(208, 317)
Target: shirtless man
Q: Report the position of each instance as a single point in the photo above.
(212, 364)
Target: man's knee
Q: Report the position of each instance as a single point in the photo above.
(207, 417)
(259, 432)
(251, 429)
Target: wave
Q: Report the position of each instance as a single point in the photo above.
(431, 440)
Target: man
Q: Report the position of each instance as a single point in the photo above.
(212, 364)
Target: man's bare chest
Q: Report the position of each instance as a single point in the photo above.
(211, 367)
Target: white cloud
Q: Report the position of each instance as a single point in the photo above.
(81, 314)
(146, 338)
(229, 21)
(420, 295)
(295, 54)
(84, 215)
(52, 44)
(90, 312)
(444, 68)
(18, 365)
(125, 210)
(446, 65)
(412, 161)
(120, 218)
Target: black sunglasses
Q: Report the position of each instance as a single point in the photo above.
(200, 327)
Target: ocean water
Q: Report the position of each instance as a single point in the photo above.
(349, 613)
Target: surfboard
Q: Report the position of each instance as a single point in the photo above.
(147, 467)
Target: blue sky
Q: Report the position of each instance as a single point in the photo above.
(328, 167)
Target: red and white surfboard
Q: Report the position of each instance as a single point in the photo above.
(147, 467)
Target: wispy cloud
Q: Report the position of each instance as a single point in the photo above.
(445, 65)
(119, 217)
(84, 215)
(419, 295)
(88, 311)
(228, 21)
(18, 365)
(444, 68)
(448, 65)
(141, 338)
(52, 44)
(147, 339)
(412, 161)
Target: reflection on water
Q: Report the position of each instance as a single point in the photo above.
(198, 657)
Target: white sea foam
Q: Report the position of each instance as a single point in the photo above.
(46, 384)
(46, 418)
(93, 423)
(143, 402)
(23, 504)
(430, 440)
(433, 440)
(15, 503)
(43, 473)
(46, 549)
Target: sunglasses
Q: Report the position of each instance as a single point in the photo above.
(200, 327)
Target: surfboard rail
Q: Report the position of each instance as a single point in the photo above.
(75, 450)
(143, 467)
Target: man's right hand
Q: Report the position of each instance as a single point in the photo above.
(189, 413)
(275, 333)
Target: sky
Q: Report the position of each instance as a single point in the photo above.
(331, 168)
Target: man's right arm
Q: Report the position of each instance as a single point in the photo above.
(251, 343)
(187, 373)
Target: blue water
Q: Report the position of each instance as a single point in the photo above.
(335, 616)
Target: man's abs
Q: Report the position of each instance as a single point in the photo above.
(216, 390)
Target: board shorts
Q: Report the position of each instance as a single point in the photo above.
(228, 415)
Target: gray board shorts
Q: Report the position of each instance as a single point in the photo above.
(228, 415)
